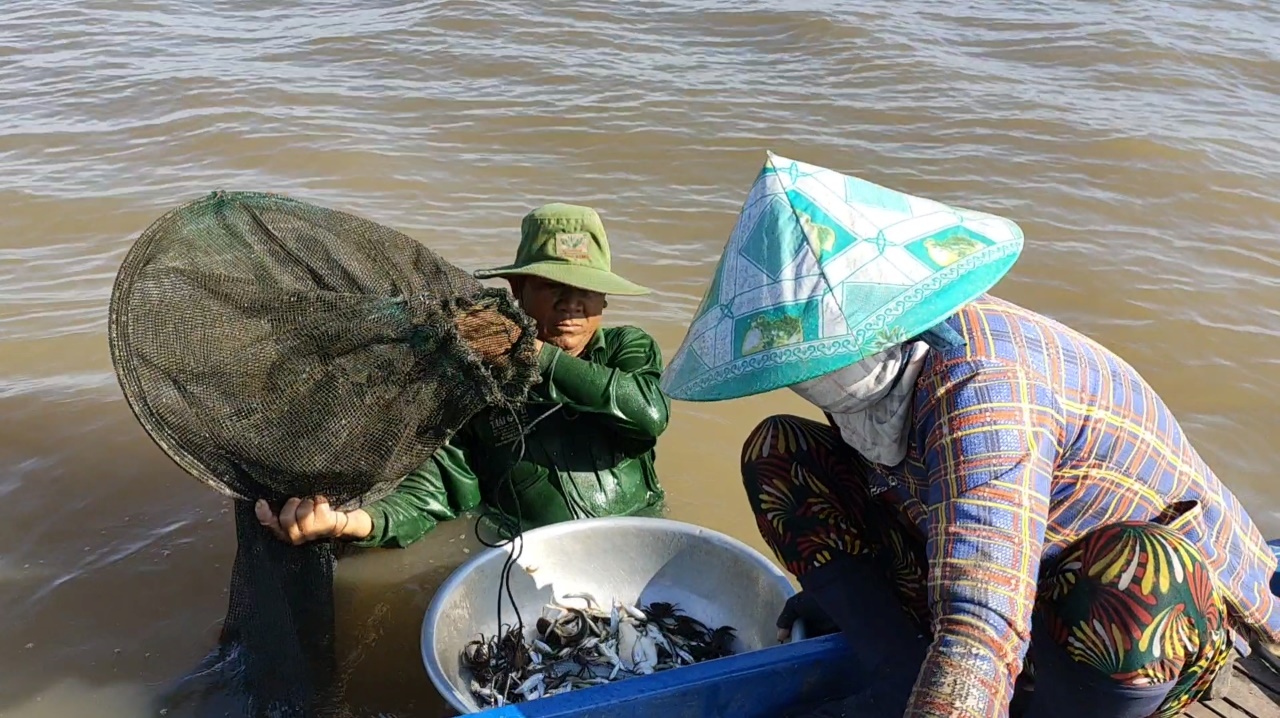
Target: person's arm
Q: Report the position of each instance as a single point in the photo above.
(990, 459)
(424, 498)
(625, 388)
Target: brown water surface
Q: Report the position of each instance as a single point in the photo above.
(1136, 144)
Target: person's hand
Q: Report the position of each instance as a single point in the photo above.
(488, 333)
(303, 520)
(802, 606)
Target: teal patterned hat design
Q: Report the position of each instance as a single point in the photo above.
(823, 269)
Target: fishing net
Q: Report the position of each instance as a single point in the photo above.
(275, 348)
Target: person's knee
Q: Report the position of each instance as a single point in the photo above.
(1148, 560)
(1068, 684)
(772, 440)
(777, 435)
(1136, 564)
(1152, 546)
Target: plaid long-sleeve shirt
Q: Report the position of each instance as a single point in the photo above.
(1022, 441)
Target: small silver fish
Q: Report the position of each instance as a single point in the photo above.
(536, 681)
(591, 625)
(591, 600)
(612, 656)
(484, 693)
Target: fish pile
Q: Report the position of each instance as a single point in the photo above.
(578, 647)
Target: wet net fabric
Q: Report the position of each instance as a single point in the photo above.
(275, 348)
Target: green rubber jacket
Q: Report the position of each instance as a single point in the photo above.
(590, 427)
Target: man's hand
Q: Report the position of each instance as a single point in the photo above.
(488, 333)
(304, 520)
(802, 606)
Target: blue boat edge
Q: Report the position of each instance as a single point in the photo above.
(756, 683)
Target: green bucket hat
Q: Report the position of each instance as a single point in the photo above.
(565, 243)
(822, 270)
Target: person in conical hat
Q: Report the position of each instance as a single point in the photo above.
(993, 500)
(590, 426)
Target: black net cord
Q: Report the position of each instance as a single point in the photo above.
(276, 657)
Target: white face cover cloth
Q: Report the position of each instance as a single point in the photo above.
(871, 401)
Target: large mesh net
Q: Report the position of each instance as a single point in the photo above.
(275, 348)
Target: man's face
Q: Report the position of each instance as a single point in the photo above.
(567, 317)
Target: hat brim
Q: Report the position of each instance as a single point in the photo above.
(813, 280)
(588, 278)
(686, 380)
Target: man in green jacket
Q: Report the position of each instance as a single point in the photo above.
(584, 446)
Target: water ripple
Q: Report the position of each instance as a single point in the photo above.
(1134, 143)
